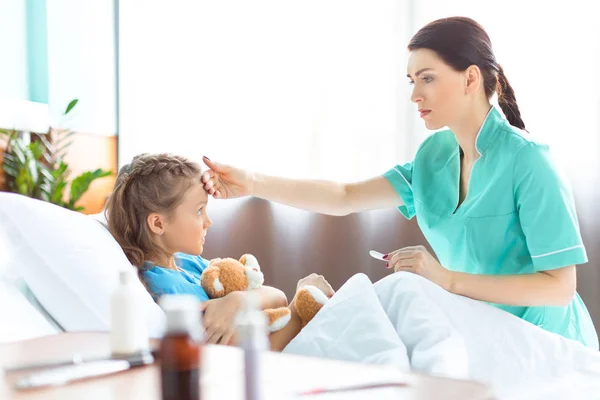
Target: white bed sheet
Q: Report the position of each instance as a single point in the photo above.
(352, 326)
(454, 336)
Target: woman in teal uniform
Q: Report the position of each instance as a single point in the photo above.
(488, 197)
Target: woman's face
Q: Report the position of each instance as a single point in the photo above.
(438, 90)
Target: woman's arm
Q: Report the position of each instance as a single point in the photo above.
(326, 197)
(548, 288)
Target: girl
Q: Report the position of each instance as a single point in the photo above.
(489, 199)
(158, 214)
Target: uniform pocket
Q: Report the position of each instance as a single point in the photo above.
(496, 245)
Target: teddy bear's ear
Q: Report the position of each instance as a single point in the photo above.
(250, 261)
(210, 282)
(255, 277)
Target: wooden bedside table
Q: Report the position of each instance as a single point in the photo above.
(284, 375)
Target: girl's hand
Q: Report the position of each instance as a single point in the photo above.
(319, 282)
(224, 181)
(419, 261)
(219, 318)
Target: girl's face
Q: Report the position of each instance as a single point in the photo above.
(185, 229)
(439, 92)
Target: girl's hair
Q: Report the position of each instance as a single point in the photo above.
(462, 42)
(151, 183)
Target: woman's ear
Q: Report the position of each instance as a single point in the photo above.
(472, 79)
(156, 223)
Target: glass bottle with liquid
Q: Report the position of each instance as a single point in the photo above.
(181, 348)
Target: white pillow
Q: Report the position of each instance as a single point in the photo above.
(352, 326)
(19, 320)
(513, 356)
(69, 261)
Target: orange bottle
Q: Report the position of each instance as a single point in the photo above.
(181, 348)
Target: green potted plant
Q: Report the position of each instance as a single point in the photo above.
(34, 166)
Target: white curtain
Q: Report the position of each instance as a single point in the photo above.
(303, 89)
(319, 89)
(550, 52)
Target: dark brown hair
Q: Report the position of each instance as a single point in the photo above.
(151, 183)
(462, 42)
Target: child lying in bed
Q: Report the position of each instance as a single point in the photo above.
(157, 213)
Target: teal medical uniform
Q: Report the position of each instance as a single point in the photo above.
(518, 216)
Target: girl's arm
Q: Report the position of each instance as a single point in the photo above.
(219, 314)
(282, 337)
(270, 297)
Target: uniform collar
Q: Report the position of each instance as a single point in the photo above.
(488, 130)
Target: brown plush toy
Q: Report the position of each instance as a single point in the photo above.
(226, 275)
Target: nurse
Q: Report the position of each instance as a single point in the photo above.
(489, 198)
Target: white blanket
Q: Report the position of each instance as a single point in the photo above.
(450, 335)
(352, 326)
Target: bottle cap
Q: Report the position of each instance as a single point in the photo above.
(252, 323)
(182, 312)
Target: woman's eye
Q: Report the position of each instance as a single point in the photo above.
(199, 210)
(411, 82)
(427, 79)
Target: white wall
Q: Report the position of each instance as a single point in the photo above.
(13, 50)
(319, 81)
(81, 64)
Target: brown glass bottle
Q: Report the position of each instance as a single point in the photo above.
(181, 350)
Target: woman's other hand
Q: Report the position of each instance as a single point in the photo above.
(418, 260)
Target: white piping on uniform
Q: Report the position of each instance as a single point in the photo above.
(474, 162)
(406, 180)
(481, 129)
(557, 251)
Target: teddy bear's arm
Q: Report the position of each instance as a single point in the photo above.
(211, 283)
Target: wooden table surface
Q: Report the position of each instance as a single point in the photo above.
(283, 375)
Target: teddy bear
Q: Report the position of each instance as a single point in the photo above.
(225, 275)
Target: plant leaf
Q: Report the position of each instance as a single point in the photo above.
(49, 146)
(61, 135)
(47, 174)
(72, 104)
(9, 161)
(37, 150)
(19, 152)
(10, 171)
(81, 184)
(56, 196)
